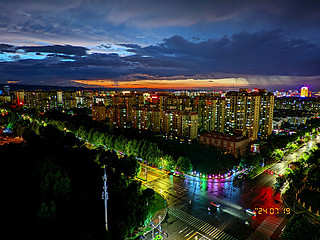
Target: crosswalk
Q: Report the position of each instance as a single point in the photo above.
(201, 226)
(267, 228)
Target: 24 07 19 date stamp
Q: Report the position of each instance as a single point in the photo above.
(272, 211)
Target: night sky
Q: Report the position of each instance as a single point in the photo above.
(181, 44)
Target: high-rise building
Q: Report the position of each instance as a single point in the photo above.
(178, 102)
(187, 124)
(249, 112)
(125, 100)
(119, 116)
(37, 99)
(6, 90)
(98, 112)
(211, 112)
(166, 122)
(69, 99)
(20, 97)
(179, 124)
(266, 113)
(146, 119)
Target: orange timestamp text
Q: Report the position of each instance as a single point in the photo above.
(272, 211)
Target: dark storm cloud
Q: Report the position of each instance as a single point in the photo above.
(6, 48)
(66, 49)
(258, 53)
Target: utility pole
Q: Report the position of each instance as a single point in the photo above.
(105, 196)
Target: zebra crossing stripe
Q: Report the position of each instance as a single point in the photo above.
(200, 225)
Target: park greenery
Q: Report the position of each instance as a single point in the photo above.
(169, 155)
(304, 173)
(100, 135)
(55, 185)
(275, 148)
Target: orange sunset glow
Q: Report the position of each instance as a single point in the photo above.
(168, 84)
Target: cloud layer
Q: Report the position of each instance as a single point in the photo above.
(256, 57)
(260, 41)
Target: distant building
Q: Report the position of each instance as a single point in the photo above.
(294, 117)
(234, 144)
(304, 91)
(6, 90)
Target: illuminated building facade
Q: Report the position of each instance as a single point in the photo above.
(304, 91)
(211, 112)
(146, 119)
(119, 116)
(249, 112)
(182, 124)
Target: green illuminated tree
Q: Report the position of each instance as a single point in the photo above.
(184, 165)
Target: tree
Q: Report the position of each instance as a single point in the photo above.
(47, 212)
(184, 165)
(96, 137)
(90, 135)
(82, 133)
(130, 166)
(168, 162)
(299, 228)
(120, 143)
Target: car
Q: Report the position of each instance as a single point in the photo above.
(252, 212)
(215, 204)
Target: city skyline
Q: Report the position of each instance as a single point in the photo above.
(168, 45)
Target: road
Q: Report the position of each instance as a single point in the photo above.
(229, 221)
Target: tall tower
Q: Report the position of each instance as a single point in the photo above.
(105, 196)
(304, 91)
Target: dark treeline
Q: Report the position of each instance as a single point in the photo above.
(53, 188)
(157, 151)
(128, 142)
